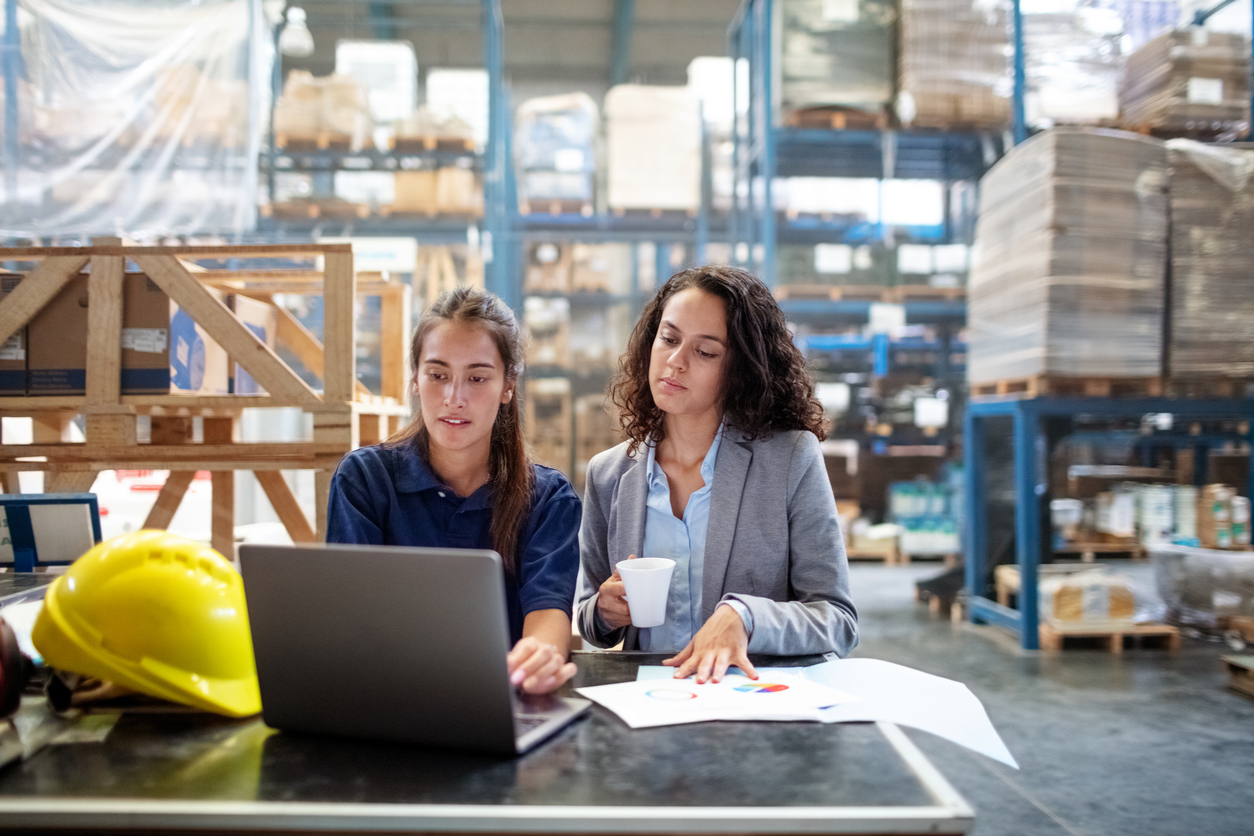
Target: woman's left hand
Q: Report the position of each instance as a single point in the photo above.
(720, 643)
(538, 667)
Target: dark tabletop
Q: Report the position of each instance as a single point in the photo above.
(596, 761)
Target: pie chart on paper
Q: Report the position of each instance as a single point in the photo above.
(761, 688)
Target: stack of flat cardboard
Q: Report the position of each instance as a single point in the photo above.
(837, 53)
(1212, 285)
(1068, 268)
(1188, 81)
(653, 144)
(954, 65)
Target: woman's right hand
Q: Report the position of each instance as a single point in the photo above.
(612, 601)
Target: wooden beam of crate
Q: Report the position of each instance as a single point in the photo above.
(396, 308)
(286, 506)
(339, 327)
(217, 251)
(257, 358)
(39, 288)
(292, 333)
(169, 499)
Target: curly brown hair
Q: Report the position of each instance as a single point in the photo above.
(774, 391)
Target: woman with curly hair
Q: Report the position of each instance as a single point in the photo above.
(721, 473)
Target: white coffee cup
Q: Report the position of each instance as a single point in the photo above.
(648, 582)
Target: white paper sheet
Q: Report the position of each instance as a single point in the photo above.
(896, 694)
(912, 698)
(656, 702)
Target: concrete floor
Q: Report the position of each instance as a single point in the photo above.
(1144, 744)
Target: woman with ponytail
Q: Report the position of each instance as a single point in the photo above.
(459, 477)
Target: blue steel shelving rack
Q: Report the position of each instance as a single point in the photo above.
(762, 150)
(1031, 487)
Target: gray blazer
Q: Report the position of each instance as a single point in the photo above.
(773, 539)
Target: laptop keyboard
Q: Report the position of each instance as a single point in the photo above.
(524, 723)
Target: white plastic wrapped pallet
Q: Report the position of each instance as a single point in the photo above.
(145, 124)
(654, 147)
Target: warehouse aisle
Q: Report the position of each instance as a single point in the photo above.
(1141, 745)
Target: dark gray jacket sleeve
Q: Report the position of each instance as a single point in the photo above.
(594, 564)
(820, 616)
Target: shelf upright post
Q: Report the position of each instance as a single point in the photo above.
(707, 192)
(764, 31)
(498, 275)
(1027, 438)
(12, 68)
(977, 527)
(1020, 118)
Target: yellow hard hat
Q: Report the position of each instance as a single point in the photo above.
(158, 614)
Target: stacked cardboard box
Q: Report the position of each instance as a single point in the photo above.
(1188, 81)
(163, 350)
(654, 147)
(1068, 269)
(548, 328)
(554, 149)
(1212, 285)
(548, 421)
(954, 69)
(837, 53)
(596, 429)
(328, 108)
(1223, 518)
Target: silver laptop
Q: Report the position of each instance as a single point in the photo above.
(391, 643)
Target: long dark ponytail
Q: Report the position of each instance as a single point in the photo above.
(511, 474)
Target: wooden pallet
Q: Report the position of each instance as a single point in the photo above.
(1053, 639)
(1087, 387)
(1209, 387)
(1226, 129)
(330, 209)
(426, 144)
(890, 556)
(344, 413)
(678, 215)
(1240, 673)
(556, 207)
(832, 293)
(323, 140)
(926, 293)
(837, 118)
(1242, 625)
(1088, 551)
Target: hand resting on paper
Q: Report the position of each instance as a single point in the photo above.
(538, 667)
(612, 601)
(720, 643)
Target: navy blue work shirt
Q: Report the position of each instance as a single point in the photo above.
(387, 495)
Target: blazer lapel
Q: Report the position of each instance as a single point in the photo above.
(730, 471)
(632, 507)
(627, 536)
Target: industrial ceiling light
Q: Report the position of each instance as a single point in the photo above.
(296, 40)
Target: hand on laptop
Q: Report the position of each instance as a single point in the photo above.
(538, 667)
(722, 642)
(612, 601)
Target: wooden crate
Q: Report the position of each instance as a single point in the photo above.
(834, 293)
(1054, 638)
(345, 414)
(1240, 674)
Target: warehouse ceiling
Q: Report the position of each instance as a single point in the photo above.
(549, 44)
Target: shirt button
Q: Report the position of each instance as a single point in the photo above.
(441, 494)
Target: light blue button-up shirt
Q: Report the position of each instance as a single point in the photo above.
(683, 541)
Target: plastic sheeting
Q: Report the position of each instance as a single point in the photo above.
(145, 119)
(1201, 586)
